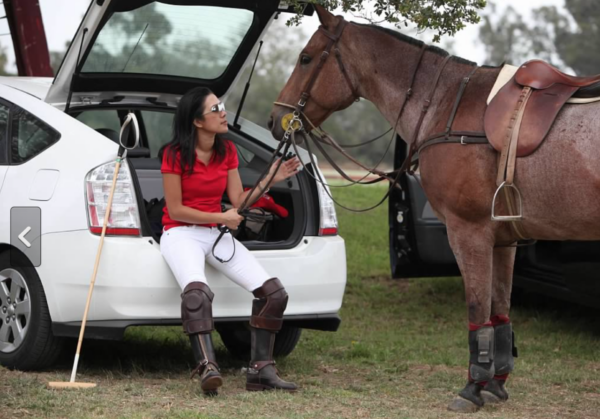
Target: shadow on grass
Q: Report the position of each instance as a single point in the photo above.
(565, 316)
(145, 351)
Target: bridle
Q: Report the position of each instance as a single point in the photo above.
(295, 124)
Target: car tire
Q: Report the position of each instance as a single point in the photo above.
(26, 339)
(236, 338)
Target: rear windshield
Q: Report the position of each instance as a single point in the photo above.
(164, 39)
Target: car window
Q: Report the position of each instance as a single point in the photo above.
(30, 136)
(158, 129)
(105, 119)
(244, 155)
(3, 134)
(169, 39)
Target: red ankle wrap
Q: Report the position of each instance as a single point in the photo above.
(499, 319)
(473, 326)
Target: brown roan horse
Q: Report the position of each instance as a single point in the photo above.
(559, 182)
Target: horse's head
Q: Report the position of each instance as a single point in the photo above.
(321, 83)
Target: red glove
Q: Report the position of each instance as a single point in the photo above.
(267, 203)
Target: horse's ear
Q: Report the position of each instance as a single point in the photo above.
(327, 19)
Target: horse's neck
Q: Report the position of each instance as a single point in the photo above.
(386, 83)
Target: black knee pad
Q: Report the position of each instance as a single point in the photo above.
(196, 308)
(481, 348)
(269, 305)
(504, 360)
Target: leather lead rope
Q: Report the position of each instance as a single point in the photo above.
(246, 203)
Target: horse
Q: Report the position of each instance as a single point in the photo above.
(420, 89)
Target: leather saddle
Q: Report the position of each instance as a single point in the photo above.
(528, 104)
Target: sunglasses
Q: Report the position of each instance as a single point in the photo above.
(219, 107)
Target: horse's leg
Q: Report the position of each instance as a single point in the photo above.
(504, 260)
(473, 246)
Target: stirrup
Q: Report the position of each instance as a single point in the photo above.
(519, 216)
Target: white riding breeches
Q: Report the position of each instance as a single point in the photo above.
(186, 250)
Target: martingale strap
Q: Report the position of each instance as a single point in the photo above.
(454, 137)
(406, 166)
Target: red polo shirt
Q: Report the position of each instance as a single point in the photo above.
(203, 189)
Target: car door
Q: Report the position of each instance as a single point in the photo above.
(4, 109)
(152, 52)
(418, 240)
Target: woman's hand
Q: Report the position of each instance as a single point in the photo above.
(231, 219)
(288, 168)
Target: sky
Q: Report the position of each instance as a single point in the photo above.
(62, 17)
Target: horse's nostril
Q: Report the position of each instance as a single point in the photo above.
(270, 122)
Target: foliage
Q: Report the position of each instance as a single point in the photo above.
(566, 40)
(4, 62)
(445, 17)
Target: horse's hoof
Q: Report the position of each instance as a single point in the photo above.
(461, 405)
(494, 392)
(490, 398)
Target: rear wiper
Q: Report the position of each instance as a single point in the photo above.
(237, 115)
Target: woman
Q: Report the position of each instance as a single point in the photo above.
(198, 166)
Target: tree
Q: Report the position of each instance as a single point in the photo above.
(4, 62)
(567, 40)
(445, 17)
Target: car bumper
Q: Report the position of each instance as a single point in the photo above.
(134, 282)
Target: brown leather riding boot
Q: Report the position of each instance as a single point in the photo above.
(204, 354)
(196, 314)
(267, 319)
(262, 374)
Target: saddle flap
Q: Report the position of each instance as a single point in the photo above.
(540, 112)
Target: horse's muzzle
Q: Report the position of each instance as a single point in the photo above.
(274, 124)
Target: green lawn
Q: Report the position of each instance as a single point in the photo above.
(401, 352)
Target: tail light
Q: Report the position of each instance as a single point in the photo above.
(328, 224)
(124, 219)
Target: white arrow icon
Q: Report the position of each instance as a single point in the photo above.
(22, 237)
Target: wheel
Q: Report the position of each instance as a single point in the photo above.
(26, 339)
(236, 338)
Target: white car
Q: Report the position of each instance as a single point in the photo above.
(57, 155)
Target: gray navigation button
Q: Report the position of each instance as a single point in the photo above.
(26, 235)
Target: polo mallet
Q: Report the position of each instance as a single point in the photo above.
(121, 154)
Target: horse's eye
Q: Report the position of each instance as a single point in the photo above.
(305, 59)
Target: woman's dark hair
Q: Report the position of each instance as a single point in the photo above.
(183, 140)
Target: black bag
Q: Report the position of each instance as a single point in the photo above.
(154, 212)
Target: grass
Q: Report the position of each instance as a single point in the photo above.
(401, 352)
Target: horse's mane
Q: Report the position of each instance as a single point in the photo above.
(412, 41)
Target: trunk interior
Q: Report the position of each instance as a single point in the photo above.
(269, 231)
